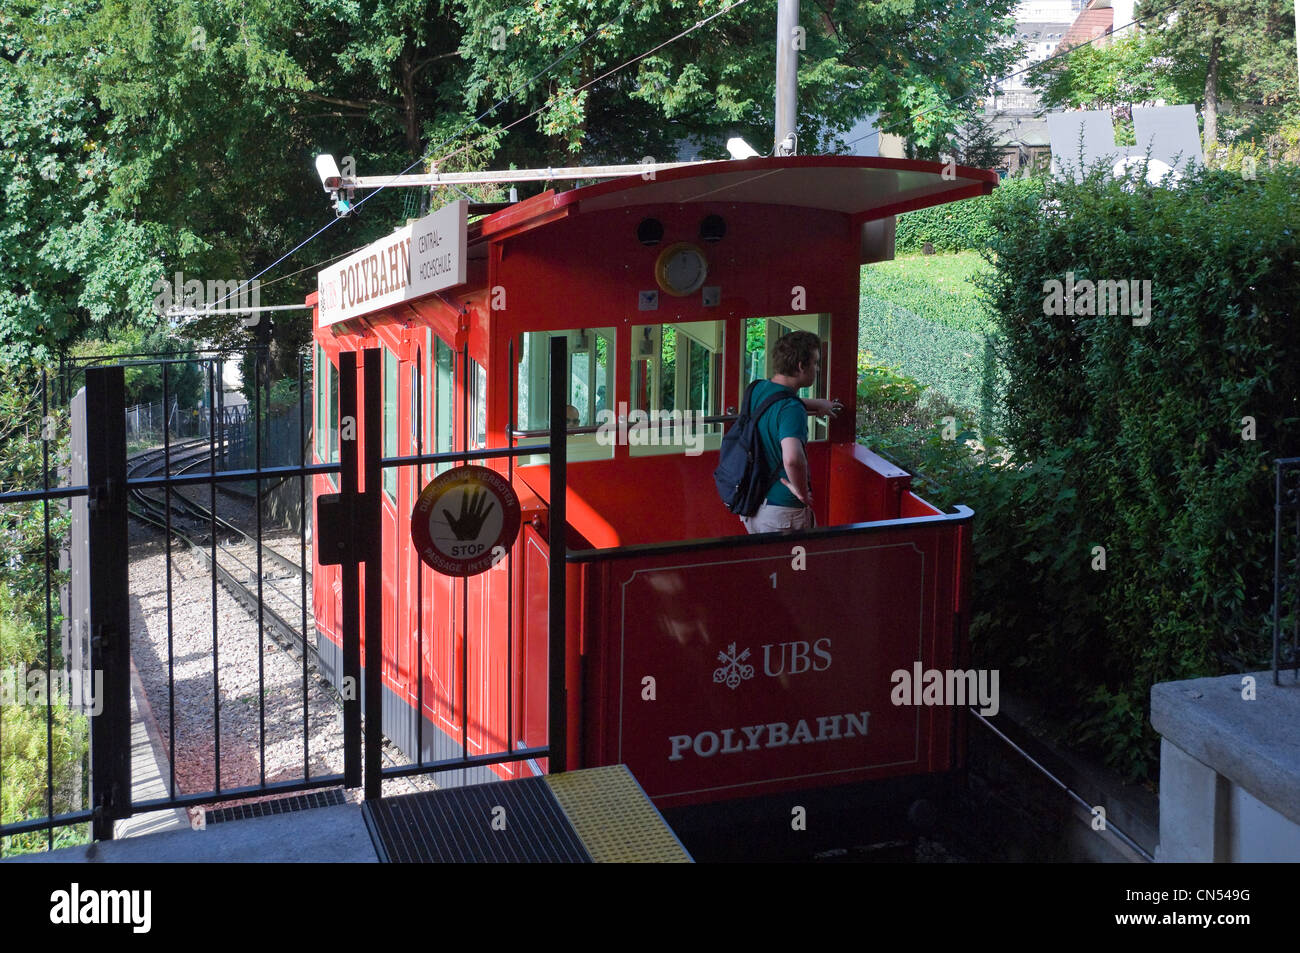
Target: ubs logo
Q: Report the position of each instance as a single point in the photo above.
(779, 658)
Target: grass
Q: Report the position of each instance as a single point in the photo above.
(924, 316)
(934, 287)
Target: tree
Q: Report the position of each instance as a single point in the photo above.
(1117, 76)
(1234, 59)
(922, 64)
(72, 261)
(1245, 57)
(148, 137)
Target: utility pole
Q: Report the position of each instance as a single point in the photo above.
(789, 39)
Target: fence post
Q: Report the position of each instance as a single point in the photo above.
(372, 552)
(110, 614)
(345, 522)
(558, 698)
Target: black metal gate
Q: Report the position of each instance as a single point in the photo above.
(193, 680)
(348, 523)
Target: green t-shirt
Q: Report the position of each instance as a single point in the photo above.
(785, 418)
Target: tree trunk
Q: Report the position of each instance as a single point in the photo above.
(409, 107)
(1212, 99)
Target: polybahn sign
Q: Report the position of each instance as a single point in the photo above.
(417, 259)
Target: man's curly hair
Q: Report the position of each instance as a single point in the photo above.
(794, 349)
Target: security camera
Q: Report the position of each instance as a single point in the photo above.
(328, 169)
(740, 149)
(332, 179)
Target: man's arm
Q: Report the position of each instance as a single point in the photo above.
(796, 469)
(821, 408)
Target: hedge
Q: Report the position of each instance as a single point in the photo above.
(963, 225)
(959, 364)
(1127, 442)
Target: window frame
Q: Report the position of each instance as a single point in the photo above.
(391, 403)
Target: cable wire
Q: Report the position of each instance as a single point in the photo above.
(1109, 825)
(328, 225)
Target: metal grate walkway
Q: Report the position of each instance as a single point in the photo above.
(283, 805)
(505, 821)
(600, 815)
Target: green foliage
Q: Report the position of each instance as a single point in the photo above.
(1130, 70)
(25, 426)
(925, 315)
(883, 387)
(1127, 438)
(938, 287)
(186, 383)
(1234, 59)
(24, 748)
(148, 137)
(1130, 438)
(284, 395)
(859, 57)
(26, 433)
(896, 413)
(959, 226)
(73, 262)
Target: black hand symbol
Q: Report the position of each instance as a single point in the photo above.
(474, 509)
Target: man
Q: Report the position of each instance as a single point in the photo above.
(783, 429)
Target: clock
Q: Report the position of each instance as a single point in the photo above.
(681, 269)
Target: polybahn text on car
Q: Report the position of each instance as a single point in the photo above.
(714, 664)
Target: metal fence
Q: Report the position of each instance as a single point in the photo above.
(145, 422)
(223, 684)
(1286, 568)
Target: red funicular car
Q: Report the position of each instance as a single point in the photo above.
(716, 665)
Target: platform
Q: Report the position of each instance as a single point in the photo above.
(598, 815)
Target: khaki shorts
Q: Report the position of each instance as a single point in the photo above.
(772, 519)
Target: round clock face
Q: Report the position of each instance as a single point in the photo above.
(681, 269)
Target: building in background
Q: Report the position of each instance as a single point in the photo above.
(1047, 28)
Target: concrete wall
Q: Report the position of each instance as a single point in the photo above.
(1229, 769)
(283, 505)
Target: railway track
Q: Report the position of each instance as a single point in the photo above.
(237, 559)
(231, 554)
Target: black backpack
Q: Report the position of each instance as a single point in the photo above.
(743, 475)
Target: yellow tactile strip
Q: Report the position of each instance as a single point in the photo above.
(616, 822)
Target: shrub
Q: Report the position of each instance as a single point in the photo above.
(1131, 438)
(963, 225)
(923, 315)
